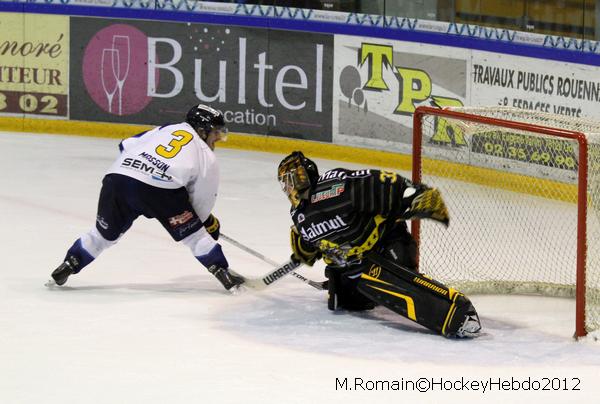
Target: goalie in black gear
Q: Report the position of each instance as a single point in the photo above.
(356, 222)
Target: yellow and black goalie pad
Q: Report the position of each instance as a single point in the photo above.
(301, 250)
(428, 204)
(417, 297)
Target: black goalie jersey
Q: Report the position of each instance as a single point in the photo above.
(348, 213)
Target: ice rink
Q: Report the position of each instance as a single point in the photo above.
(147, 323)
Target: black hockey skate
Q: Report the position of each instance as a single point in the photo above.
(227, 279)
(64, 270)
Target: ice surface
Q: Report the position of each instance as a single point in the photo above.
(146, 323)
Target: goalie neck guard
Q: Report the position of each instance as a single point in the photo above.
(297, 174)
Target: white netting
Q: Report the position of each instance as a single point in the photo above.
(512, 200)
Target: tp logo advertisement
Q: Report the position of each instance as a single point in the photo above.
(379, 84)
(153, 72)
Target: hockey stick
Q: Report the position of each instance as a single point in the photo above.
(317, 285)
(279, 272)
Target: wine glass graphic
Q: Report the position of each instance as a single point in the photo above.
(107, 75)
(120, 44)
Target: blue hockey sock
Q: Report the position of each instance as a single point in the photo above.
(82, 256)
(214, 257)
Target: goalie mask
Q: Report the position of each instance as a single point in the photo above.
(296, 175)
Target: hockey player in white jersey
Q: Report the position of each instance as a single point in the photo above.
(169, 173)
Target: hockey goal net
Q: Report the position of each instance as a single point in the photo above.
(523, 191)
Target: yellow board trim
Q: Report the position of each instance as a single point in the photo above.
(262, 143)
(482, 176)
(410, 304)
(523, 184)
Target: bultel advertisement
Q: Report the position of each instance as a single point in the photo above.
(265, 82)
(34, 64)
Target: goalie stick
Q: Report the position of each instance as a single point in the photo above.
(280, 270)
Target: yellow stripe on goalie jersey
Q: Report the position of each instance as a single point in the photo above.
(357, 251)
(410, 304)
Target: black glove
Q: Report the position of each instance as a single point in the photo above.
(301, 250)
(212, 226)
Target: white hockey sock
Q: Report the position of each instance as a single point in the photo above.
(94, 243)
(200, 242)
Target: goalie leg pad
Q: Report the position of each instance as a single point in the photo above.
(422, 300)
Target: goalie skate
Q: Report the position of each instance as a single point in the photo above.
(470, 328)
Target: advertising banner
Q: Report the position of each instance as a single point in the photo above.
(34, 64)
(265, 82)
(558, 88)
(379, 83)
(565, 89)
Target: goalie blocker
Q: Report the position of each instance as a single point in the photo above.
(419, 298)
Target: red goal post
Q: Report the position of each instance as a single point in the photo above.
(496, 165)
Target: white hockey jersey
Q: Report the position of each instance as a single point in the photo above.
(172, 156)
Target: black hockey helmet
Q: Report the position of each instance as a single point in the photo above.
(204, 119)
(297, 174)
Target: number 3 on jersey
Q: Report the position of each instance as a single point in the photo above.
(180, 139)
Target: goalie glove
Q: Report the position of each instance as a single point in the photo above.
(301, 250)
(422, 202)
(212, 226)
